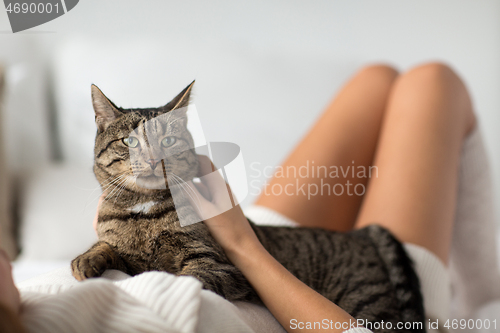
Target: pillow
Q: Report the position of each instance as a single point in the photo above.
(59, 203)
(7, 240)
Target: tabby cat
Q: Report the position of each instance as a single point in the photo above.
(366, 272)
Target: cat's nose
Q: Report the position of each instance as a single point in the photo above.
(153, 163)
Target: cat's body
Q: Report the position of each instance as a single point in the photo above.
(366, 272)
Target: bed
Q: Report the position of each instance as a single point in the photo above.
(56, 192)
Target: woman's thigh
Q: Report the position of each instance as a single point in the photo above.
(343, 138)
(428, 115)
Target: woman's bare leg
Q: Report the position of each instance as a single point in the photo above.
(347, 131)
(428, 115)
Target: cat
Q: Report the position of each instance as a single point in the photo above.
(366, 272)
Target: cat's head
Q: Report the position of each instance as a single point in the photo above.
(137, 148)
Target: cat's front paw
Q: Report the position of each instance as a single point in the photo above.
(88, 265)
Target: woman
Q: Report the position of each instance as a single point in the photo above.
(411, 127)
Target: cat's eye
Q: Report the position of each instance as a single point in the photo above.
(130, 142)
(168, 141)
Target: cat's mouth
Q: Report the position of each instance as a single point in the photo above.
(151, 182)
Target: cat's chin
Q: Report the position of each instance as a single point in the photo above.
(151, 183)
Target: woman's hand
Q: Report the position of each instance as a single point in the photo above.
(288, 299)
(229, 227)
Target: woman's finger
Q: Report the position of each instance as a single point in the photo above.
(206, 166)
(203, 189)
(197, 200)
(217, 186)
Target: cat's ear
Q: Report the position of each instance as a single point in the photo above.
(105, 111)
(181, 100)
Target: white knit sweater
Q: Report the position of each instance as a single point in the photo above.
(149, 302)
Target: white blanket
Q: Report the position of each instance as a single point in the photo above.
(149, 302)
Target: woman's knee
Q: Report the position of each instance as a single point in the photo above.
(439, 83)
(378, 72)
(435, 74)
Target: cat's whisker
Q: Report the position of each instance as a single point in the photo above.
(132, 179)
(111, 185)
(115, 176)
(116, 188)
(183, 189)
(104, 188)
(193, 195)
(118, 184)
(107, 183)
(190, 188)
(115, 182)
(87, 203)
(110, 196)
(121, 189)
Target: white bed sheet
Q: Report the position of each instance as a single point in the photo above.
(23, 270)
